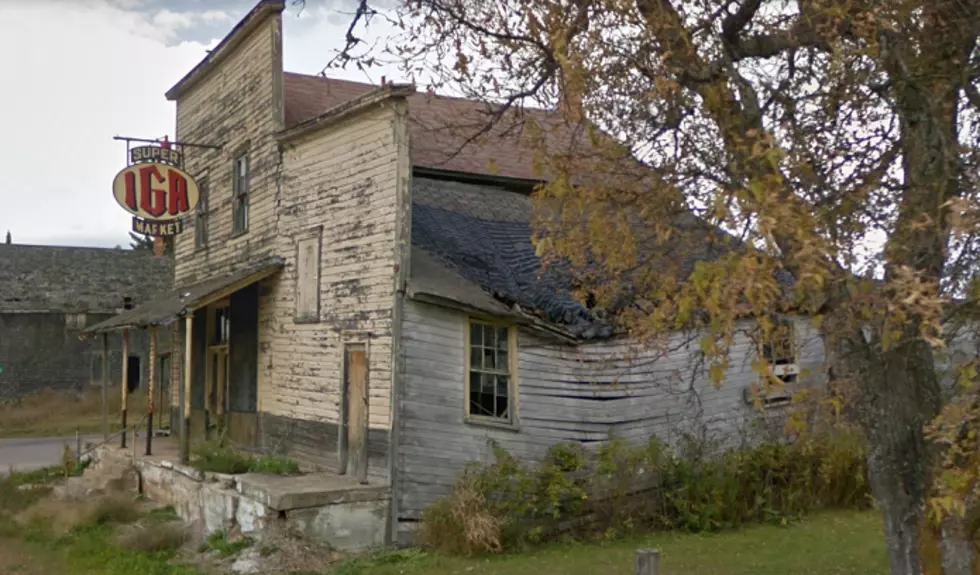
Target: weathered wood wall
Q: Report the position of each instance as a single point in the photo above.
(342, 183)
(565, 393)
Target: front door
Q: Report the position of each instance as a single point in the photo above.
(354, 459)
(216, 387)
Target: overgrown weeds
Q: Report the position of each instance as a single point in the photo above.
(215, 457)
(620, 490)
(56, 413)
(61, 517)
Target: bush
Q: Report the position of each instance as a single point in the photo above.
(274, 464)
(619, 490)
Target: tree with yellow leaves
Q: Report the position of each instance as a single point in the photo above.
(835, 142)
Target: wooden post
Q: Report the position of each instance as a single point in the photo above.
(185, 390)
(150, 389)
(125, 382)
(647, 562)
(105, 387)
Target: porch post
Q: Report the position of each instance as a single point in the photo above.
(185, 390)
(105, 387)
(150, 389)
(125, 382)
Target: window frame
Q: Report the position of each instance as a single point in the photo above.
(513, 420)
(315, 235)
(240, 194)
(788, 372)
(202, 219)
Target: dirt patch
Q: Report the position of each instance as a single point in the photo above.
(277, 553)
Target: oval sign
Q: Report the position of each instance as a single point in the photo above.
(155, 191)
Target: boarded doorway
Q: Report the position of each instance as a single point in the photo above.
(354, 432)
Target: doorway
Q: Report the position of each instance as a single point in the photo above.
(354, 429)
(132, 373)
(216, 385)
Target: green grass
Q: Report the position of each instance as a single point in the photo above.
(89, 549)
(218, 542)
(842, 543)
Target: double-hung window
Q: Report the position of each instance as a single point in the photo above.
(240, 190)
(490, 378)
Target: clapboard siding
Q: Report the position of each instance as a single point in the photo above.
(578, 393)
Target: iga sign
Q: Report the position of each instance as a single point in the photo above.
(155, 190)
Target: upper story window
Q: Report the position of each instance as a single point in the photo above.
(201, 216)
(491, 378)
(240, 181)
(780, 353)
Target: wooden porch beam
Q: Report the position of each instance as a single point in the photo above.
(185, 390)
(105, 387)
(125, 382)
(150, 389)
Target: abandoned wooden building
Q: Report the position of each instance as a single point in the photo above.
(346, 291)
(49, 294)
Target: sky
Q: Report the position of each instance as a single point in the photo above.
(78, 72)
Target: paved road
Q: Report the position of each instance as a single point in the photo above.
(35, 452)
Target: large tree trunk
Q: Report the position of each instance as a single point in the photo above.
(957, 547)
(899, 394)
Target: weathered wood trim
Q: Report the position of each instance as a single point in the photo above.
(251, 22)
(227, 291)
(185, 390)
(403, 257)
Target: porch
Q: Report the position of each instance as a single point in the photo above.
(207, 386)
(323, 507)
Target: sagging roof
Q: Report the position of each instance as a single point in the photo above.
(439, 126)
(174, 304)
(64, 279)
(472, 246)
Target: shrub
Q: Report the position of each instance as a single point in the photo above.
(214, 457)
(274, 464)
(620, 489)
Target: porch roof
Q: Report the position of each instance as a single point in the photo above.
(168, 307)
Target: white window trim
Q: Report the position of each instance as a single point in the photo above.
(512, 422)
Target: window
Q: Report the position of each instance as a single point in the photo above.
(75, 321)
(240, 190)
(221, 326)
(779, 352)
(490, 381)
(308, 279)
(201, 217)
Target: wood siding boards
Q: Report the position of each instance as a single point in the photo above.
(566, 393)
(235, 106)
(345, 179)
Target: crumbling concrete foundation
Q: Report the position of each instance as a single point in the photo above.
(329, 509)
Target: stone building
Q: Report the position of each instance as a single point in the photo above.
(49, 294)
(359, 292)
